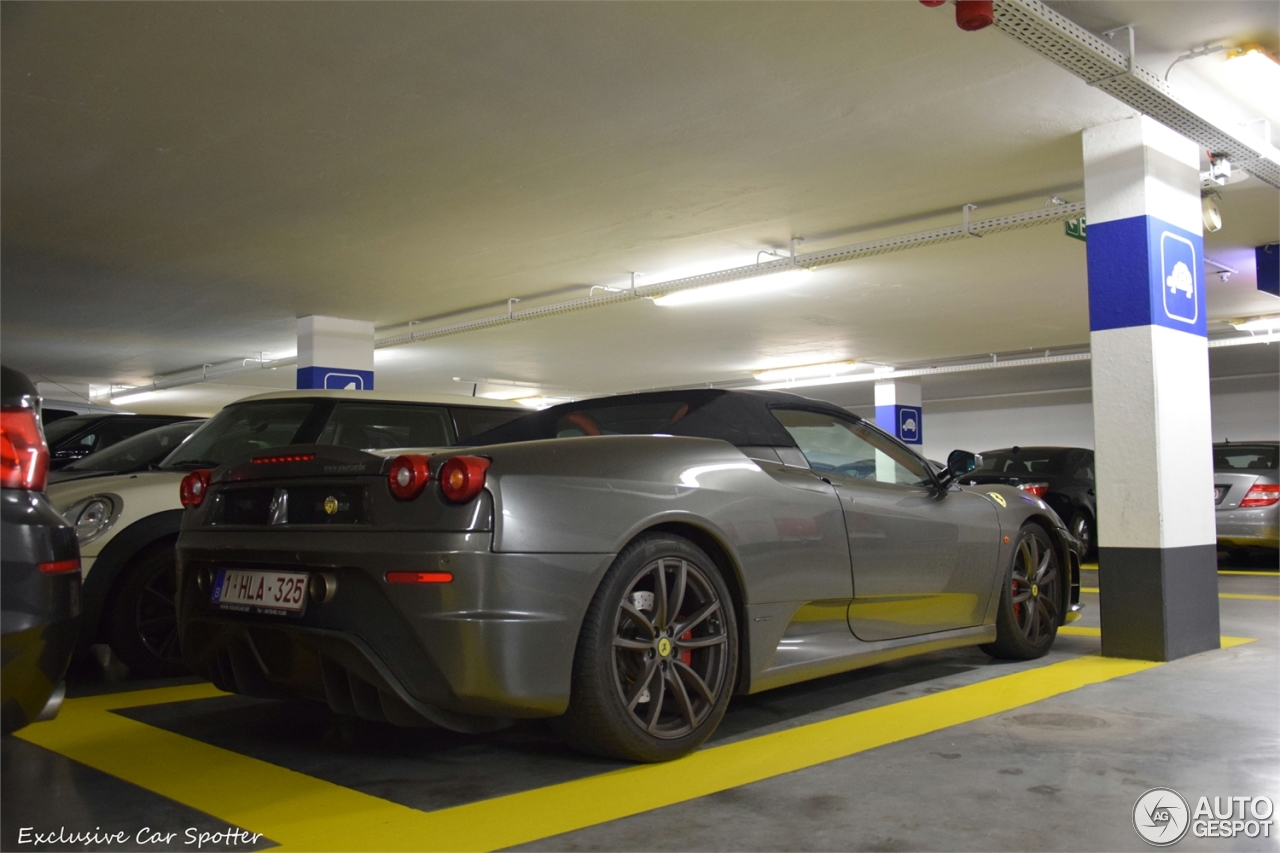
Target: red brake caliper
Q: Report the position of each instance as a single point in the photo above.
(1017, 607)
(687, 655)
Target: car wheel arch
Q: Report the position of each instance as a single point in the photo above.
(1070, 589)
(124, 549)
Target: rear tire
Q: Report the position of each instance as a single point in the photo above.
(1082, 527)
(656, 657)
(1030, 600)
(142, 623)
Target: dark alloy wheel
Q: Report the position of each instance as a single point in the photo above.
(1031, 601)
(670, 648)
(143, 619)
(1082, 528)
(656, 657)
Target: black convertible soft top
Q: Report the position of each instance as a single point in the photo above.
(742, 418)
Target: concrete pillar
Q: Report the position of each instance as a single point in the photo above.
(898, 410)
(335, 353)
(1157, 559)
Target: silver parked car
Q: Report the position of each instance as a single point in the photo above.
(622, 565)
(1246, 490)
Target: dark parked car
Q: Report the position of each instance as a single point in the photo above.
(622, 565)
(142, 452)
(1061, 476)
(1246, 486)
(39, 566)
(76, 437)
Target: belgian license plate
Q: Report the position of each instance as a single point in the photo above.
(249, 591)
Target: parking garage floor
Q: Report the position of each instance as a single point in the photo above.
(906, 756)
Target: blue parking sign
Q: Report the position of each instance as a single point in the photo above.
(909, 424)
(1179, 278)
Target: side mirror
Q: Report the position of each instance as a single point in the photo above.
(959, 462)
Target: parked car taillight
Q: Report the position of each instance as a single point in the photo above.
(462, 477)
(60, 567)
(1262, 494)
(1037, 489)
(24, 456)
(408, 476)
(194, 487)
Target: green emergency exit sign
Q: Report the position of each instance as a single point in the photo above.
(1075, 228)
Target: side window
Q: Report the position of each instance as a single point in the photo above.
(113, 431)
(382, 426)
(851, 449)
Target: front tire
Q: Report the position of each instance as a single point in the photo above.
(657, 655)
(142, 623)
(1031, 600)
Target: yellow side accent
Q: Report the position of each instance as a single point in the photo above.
(1251, 574)
(1083, 631)
(1220, 595)
(304, 813)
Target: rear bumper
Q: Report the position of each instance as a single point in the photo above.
(496, 642)
(1243, 528)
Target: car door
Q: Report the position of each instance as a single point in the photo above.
(923, 558)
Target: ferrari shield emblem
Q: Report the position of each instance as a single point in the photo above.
(330, 505)
(995, 496)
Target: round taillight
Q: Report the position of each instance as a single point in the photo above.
(462, 478)
(408, 476)
(194, 487)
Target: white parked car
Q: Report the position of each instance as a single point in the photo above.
(128, 524)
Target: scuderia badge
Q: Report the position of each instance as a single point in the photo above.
(330, 505)
(998, 498)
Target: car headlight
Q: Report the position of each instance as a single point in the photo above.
(94, 516)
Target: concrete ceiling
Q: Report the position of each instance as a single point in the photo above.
(181, 181)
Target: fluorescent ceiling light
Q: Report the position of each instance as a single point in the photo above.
(132, 398)
(541, 402)
(807, 371)
(1257, 324)
(1255, 76)
(762, 285)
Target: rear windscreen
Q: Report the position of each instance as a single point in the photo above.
(473, 421)
(383, 426)
(240, 429)
(1028, 460)
(1246, 457)
(594, 418)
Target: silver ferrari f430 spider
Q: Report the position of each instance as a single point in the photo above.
(621, 565)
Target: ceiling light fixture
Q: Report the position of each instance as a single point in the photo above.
(762, 285)
(540, 401)
(1257, 324)
(126, 399)
(808, 371)
(1254, 72)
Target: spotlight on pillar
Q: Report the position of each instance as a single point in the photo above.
(1210, 213)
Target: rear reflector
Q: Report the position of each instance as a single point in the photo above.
(275, 460)
(419, 577)
(60, 567)
(24, 457)
(1037, 489)
(1262, 494)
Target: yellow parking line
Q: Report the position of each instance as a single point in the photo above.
(304, 813)
(1084, 631)
(1251, 574)
(1094, 590)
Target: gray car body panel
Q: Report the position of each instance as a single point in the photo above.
(499, 640)
(1247, 527)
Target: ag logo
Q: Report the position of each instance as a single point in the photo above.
(1178, 267)
(330, 505)
(1161, 816)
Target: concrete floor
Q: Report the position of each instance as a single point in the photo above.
(1057, 774)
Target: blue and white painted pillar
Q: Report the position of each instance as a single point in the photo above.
(335, 353)
(1153, 442)
(898, 410)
